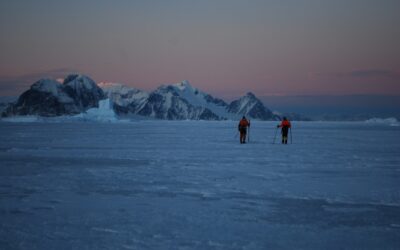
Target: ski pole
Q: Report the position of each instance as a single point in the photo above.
(276, 131)
(248, 137)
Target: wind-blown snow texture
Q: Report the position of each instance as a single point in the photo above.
(191, 185)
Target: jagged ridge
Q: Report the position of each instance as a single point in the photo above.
(179, 101)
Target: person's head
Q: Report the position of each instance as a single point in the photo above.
(244, 117)
(284, 118)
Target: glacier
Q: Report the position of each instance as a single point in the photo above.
(149, 184)
(103, 113)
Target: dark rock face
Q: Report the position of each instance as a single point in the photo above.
(47, 97)
(83, 90)
(35, 102)
(216, 101)
(207, 114)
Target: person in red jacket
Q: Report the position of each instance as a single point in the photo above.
(285, 125)
(242, 127)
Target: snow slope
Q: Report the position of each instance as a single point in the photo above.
(201, 99)
(191, 185)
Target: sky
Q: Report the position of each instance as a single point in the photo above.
(223, 47)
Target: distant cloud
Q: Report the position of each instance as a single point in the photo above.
(359, 73)
(14, 85)
(370, 73)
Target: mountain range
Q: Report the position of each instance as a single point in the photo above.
(180, 101)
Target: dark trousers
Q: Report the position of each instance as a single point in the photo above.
(243, 132)
(285, 132)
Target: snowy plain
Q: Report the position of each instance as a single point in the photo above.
(191, 185)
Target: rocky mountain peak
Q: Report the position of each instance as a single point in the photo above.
(250, 95)
(250, 106)
(47, 85)
(77, 81)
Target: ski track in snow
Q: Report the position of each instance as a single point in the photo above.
(191, 185)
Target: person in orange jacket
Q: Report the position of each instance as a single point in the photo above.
(285, 125)
(242, 127)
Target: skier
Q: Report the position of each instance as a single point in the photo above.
(242, 127)
(285, 125)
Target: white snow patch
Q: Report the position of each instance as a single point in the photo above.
(389, 121)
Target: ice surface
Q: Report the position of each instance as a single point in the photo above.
(104, 113)
(24, 118)
(191, 185)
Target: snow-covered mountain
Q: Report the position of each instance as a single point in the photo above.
(179, 101)
(166, 102)
(126, 100)
(163, 103)
(251, 107)
(183, 101)
(247, 105)
(48, 97)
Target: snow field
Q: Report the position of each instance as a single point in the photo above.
(191, 185)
